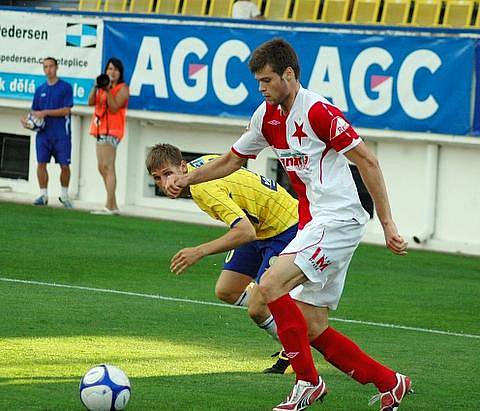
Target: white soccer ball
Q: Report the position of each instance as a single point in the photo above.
(105, 388)
(34, 123)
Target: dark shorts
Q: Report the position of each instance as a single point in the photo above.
(60, 148)
(254, 258)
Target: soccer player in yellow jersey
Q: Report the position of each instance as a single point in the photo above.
(262, 217)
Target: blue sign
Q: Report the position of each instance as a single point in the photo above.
(391, 82)
(23, 86)
(476, 118)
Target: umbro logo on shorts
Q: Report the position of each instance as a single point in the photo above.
(274, 122)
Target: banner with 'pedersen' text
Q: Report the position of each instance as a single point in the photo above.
(27, 38)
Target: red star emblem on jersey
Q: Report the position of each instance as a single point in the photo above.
(299, 133)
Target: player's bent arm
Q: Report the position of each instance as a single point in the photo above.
(220, 167)
(369, 169)
(241, 233)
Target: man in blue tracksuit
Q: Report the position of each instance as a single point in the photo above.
(52, 102)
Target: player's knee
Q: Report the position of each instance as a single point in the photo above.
(316, 323)
(103, 168)
(257, 311)
(225, 295)
(267, 288)
(316, 330)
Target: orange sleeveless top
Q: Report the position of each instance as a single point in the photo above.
(105, 122)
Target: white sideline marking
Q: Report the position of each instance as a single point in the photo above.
(186, 300)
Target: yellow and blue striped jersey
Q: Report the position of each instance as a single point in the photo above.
(268, 206)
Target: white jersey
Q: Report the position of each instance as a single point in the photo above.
(309, 142)
(245, 10)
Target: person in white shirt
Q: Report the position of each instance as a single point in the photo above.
(245, 9)
(314, 142)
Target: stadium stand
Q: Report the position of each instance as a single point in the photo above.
(276, 9)
(141, 6)
(426, 13)
(335, 11)
(365, 11)
(458, 13)
(220, 8)
(419, 13)
(194, 7)
(395, 12)
(119, 6)
(90, 5)
(306, 10)
(167, 6)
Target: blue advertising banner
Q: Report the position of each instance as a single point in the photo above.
(476, 113)
(392, 82)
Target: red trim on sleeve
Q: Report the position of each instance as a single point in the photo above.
(237, 153)
(331, 126)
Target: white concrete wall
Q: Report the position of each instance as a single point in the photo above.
(432, 180)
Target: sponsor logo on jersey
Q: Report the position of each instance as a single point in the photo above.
(293, 160)
(337, 127)
(197, 162)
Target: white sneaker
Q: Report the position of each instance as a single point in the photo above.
(390, 400)
(65, 202)
(105, 211)
(41, 201)
(303, 395)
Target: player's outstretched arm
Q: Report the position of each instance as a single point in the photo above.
(243, 232)
(371, 173)
(220, 167)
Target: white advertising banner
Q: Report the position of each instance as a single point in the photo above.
(27, 38)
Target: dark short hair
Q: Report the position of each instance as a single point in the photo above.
(162, 154)
(51, 58)
(117, 63)
(278, 54)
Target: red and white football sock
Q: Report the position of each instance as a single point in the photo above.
(347, 356)
(292, 331)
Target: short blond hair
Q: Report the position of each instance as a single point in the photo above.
(162, 154)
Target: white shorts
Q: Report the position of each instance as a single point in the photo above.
(323, 253)
(107, 139)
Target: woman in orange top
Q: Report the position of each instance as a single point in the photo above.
(110, 97)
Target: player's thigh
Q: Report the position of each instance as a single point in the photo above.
(281, 278)
(325, 264)
(271, 248)
(231, 284)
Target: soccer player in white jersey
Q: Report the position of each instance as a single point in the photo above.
(313, 141)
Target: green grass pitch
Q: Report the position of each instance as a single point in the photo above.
(181, 355)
